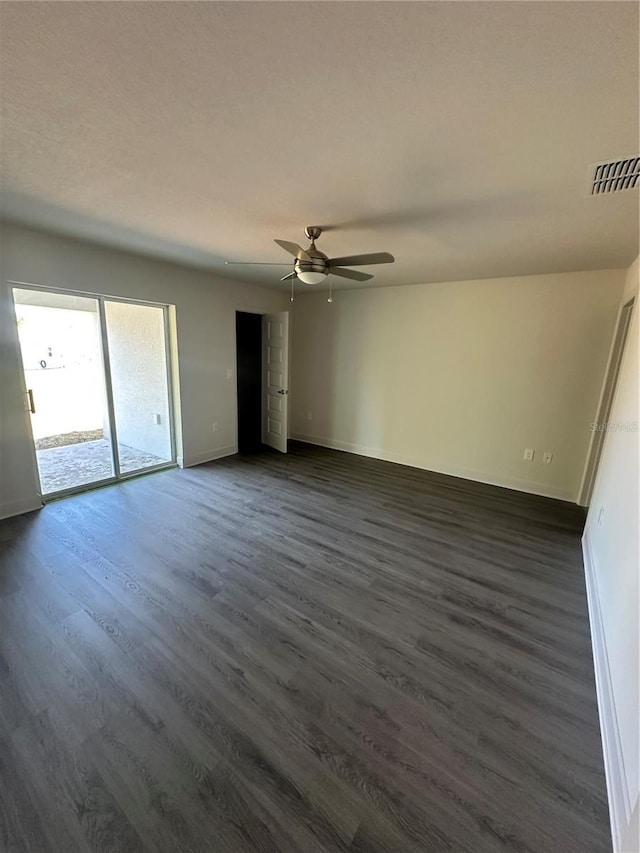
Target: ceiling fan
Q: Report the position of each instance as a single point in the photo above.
(311, 266)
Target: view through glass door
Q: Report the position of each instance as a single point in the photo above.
(139, 381)
(97, 379)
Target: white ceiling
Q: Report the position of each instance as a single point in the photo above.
(455, 135)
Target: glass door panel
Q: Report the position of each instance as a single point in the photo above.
(61, 346)
(139, 380)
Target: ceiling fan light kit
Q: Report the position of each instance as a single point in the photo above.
(310, 276)
(311, 266)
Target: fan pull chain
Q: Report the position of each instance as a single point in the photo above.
(330, 299)
(293, 278)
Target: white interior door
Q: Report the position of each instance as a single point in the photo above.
(275, 367)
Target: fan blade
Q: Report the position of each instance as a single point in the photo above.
(289, 277)
(257, 263)
(293, 249)
(362, 260)
(354, 274)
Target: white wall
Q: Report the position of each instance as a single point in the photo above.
(611, 564)
(459, 377)
(205, 318)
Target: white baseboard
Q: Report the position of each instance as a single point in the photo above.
(11, 508)
(618, 794)
(209, 456)
(464, 473)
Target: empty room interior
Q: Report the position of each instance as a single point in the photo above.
(319, 451)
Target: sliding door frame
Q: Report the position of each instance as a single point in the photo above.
(108, 388)
(101, 299)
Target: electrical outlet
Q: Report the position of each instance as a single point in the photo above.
(309, 416)
(547, 457)
(528, 454)
(229, 373)
(214, 426)
(601, 515)
(158, 419)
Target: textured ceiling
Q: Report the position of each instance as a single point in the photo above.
(455, 135)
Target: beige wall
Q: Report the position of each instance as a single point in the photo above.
(205, 318)
(459, 377)
(612, 566)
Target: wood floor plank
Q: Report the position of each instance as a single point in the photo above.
(21, 827)
(314, 652)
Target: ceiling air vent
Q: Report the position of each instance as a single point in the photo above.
(615, 175)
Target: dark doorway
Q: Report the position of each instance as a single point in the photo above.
(249, 360)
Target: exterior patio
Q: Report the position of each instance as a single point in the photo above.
(87, 462)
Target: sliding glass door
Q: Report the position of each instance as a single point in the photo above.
(138, 363)
(97, 377)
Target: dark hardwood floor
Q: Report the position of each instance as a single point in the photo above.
(316, 652)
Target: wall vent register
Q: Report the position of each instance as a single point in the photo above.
(614, 176)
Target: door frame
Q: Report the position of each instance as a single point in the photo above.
(605, 403)
(243, 309)
(101, 298)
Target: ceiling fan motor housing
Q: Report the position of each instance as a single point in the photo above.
(316, 261)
